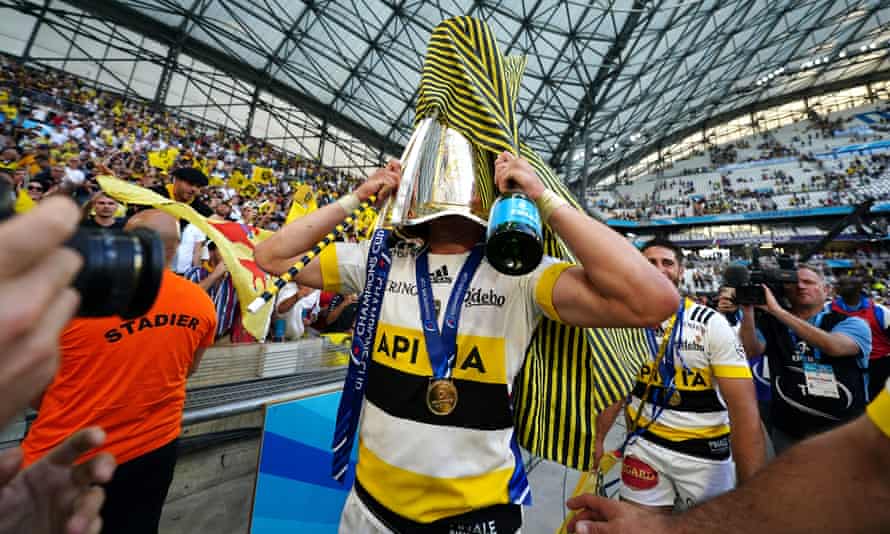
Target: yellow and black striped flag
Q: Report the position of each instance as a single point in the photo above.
(570, 374)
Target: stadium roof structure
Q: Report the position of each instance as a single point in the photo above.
(626, 74)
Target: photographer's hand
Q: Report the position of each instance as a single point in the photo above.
(55, 496)
(772, 305)
(36, 301)
(726, 305)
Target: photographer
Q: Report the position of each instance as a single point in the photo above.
(53, 495)
(727, 305)
(128, 377)
(817, 359)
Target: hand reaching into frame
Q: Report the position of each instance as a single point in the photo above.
(55, 496)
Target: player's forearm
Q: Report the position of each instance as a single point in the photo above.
(748, 450)
(615, 268)
(606, 419)
(834, 482)
(275, 254)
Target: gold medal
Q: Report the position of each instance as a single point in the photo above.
(441, 396)
(675, 399)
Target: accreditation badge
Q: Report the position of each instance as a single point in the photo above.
(821, 381)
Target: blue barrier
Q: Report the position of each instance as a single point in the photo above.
(856, 130)
(862, 148)
(746, 217)
(294, 488)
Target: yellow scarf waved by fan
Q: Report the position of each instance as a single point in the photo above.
(234, 241)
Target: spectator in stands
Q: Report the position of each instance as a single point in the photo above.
(853, 302)
(99, 212)
(9, 158)
(189, 253)
(222, 211)
(337, 312)
(807, 347)
(74, 173)
(35, 191)
(214, 278)
(186, 183)
(59, 136)
(299, 307)
(54, 495)
(128, 377)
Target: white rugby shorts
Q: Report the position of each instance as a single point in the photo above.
(652, 475)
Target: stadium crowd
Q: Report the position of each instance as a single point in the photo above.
(59, 134)
(818, 182)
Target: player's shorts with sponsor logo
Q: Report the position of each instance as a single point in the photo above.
(653, 475)
(359, 518)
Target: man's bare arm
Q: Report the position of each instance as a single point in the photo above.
(833, 482)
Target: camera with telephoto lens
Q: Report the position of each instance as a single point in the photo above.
(749, 281)
(121, 272)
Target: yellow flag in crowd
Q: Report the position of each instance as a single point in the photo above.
(249, 191)
(262, 175)
(234, 241)
(202, 165)
(237, 180)
(303, 203)
(163, 159)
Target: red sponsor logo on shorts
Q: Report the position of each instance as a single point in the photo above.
(638, 475)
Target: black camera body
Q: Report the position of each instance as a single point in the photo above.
(748, 282)
(122, 271)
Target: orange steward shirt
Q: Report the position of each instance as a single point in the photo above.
(126, 376)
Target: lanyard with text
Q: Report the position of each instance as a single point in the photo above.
(669, 353)
(365, 329)
(664, 362)
(795, 341)
(442, 347)
(819, 378)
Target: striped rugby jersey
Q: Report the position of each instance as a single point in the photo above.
(709, 349)
(427, 467)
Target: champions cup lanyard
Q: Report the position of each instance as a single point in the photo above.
(442, 347)
(817, 354)
(377, 272)
(664, 361)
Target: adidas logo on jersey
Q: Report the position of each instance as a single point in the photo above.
(440, 276)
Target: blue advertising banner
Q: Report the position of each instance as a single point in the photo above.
(294, 489)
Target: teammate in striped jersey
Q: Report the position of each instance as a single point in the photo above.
(834, 482)
(694, 389)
